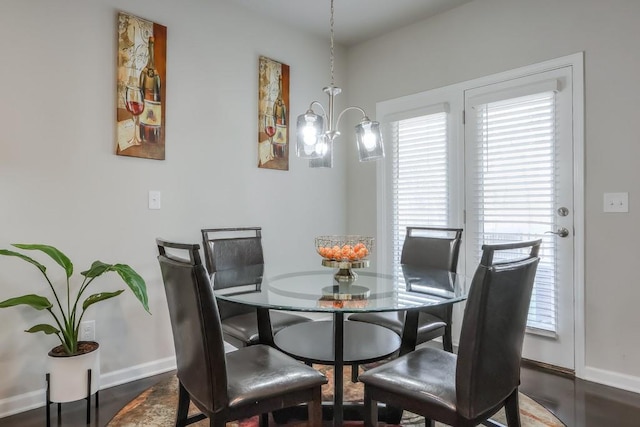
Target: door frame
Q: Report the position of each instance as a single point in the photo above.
(576, 61)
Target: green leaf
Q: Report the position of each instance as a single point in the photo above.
(129, 276)
(62, 260)
(97, 268)
(25, 258)
(47, 329)
(135, 283)
(100, 297)
(35, 301)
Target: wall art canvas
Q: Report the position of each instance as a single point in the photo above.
(273, 114)
(141, 88)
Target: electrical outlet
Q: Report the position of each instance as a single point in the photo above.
(616, 202)
(88, 330)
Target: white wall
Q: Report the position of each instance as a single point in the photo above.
(490, 36)
(62, 184)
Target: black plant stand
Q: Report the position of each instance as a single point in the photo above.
(88, 399)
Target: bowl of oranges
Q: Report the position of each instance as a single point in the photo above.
(344, 248)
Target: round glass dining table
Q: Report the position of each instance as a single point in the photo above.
(409, 290)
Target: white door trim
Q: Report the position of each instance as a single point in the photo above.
(576, 61)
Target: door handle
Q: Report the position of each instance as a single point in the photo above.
(562, 232)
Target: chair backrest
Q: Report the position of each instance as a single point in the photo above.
(227, 248)
(195, 322)
(432, 247)
(493, 328)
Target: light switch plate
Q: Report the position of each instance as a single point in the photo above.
(616, 202)
(154, 200)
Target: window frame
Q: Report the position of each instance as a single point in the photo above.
(454, 95)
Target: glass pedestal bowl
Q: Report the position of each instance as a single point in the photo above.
(344, 253)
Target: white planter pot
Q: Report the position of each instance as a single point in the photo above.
(68, 376)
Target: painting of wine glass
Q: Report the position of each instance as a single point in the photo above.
(141, 88)
(273, 114)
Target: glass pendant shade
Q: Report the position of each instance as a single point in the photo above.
(317, 132)
(369, 140)
(325, 148)
(309, 135)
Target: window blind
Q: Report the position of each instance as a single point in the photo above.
(512, 170)
(420, 184)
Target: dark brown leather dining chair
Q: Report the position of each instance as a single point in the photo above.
(229, 248)
(467, 389)
(249, 381)
(427, 247)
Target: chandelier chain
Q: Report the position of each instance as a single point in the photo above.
(332, 54)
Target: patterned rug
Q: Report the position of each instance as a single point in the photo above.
(156, 407)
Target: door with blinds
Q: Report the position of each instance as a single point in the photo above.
(519, 186)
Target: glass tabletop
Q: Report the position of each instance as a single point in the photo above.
(318, 291)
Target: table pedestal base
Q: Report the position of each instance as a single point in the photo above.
(337, 343)
(350, 412)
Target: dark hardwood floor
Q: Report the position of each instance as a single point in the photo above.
(581, 403)
(576, 402)
(74, 413)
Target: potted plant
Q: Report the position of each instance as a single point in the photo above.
(69, 361)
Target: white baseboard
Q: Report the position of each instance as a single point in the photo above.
(612, 379)
(35, 399)
(137, 372)
(22, 402)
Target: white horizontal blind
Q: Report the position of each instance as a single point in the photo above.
(513, 170)
(420, 176)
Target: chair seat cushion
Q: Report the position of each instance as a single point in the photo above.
(259, 372)
(244, 327)
(426, 376)
(429, 326)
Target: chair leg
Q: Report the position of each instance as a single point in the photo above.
(512, 409)
(354, 372)
(370, 410)
(183, 406)
(217, 422)
(314, 408)
(394, 415)
(447, 341)
(264, 420)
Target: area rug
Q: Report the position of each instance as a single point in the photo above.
(156, 407)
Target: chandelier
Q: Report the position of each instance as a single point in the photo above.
(317, 132)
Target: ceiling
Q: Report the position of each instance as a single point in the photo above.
(354, 20)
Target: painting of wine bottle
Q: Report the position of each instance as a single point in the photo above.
(273, 114)
(141, 88)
